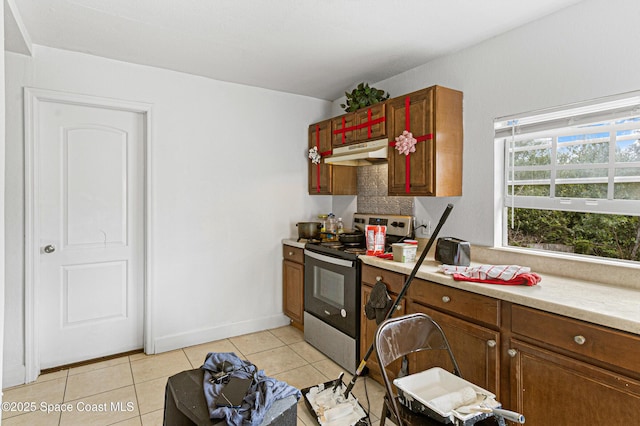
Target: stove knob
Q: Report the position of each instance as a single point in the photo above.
(343, 313)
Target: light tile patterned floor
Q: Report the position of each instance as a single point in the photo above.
(138, 382)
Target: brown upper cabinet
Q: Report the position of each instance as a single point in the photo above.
(326, 179)
(359, 126)
(343, 129)
(434, 117)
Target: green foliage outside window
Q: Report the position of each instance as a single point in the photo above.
(579, 169)
(612, 236)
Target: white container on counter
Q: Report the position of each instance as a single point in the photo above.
(403, 252)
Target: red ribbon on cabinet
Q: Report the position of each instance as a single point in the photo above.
(368, 124)
(407, 126)
(322, 154)
(318, 165)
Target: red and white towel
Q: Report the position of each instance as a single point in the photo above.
(493, 274)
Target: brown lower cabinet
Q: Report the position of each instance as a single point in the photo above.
(474, 347)
(565, 371)
(367, 332)
(553, 369)
(368, 327)
(293, 284)
(552, 389)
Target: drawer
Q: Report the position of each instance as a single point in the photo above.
(294, 254)
(593, 341)
(393, 280)
(470, 305)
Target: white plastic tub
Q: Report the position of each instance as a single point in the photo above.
(417, 391)
(404, 252)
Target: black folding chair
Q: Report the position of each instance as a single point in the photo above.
(402, 336)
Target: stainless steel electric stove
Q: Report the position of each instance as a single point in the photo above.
(332, 288)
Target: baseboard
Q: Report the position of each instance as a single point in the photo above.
(13, 375)
(197, 337)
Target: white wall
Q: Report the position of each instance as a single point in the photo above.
(230, 169)
(2, 196)
(17, 74)
(229, 182)
(583, 52)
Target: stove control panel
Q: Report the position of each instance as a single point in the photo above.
(397, 225)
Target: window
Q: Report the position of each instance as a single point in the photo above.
(572, 178)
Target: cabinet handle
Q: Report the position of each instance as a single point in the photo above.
(378, 279)
(512, 353)
(290, 253)
(491, 343)
(399, 307)
(581, 340)
(446, 299)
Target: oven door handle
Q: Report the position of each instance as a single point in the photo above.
(329, 259)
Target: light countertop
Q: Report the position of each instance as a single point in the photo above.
(292, 242)
(613, 306)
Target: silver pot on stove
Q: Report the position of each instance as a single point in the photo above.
(309, 230)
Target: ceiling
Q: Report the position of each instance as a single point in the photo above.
(317, 48)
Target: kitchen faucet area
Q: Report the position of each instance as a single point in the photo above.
(342, 213)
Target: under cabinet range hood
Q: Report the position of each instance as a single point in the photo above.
(360, 154)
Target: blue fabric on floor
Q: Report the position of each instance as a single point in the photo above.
(261, 394)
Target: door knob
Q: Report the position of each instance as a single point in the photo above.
(49, 248)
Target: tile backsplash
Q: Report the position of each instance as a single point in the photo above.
(372, 193)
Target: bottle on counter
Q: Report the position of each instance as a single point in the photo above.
(340, 226)
(331, 223)
(323, 222)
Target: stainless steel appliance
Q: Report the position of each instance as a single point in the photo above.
(332, 289)
(453, 251)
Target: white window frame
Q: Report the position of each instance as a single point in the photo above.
(554, 123)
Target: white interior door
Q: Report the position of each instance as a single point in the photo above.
(90, 204)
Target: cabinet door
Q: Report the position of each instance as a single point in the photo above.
(293, 290)
(448, 142)
(371, 122)
(474, 347)
(343, 129)
(325, 179)
(412, 174)
(551, 389)
(320, 174)
(367, 335)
